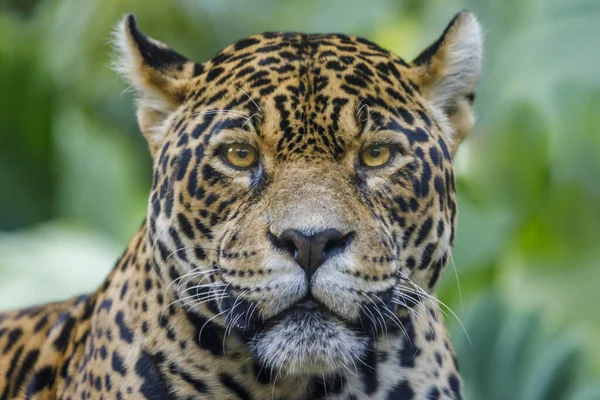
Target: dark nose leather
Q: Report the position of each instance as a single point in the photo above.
(310, 252)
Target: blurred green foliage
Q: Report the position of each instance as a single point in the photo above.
(75, 172)
(510, 356)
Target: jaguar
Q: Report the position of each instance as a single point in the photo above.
(302, 210)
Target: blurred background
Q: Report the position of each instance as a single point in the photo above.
(75, 172)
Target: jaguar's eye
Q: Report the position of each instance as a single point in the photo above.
(239, 155)
(376, 155)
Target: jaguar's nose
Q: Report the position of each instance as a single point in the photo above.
(311, 251)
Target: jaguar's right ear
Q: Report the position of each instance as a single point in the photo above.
(161, 77)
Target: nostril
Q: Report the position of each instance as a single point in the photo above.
(337, 245)
(284, 242)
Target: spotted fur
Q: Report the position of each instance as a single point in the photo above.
(209, 301)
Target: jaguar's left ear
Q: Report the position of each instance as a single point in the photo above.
(447, 73)
(161, 77)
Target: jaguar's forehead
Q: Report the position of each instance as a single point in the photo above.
(317, 89)
(356, 66)
(298, 47)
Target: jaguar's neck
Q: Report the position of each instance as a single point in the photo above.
(161, 349)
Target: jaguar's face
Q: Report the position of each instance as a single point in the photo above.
(303, 190)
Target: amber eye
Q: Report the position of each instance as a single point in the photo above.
(239, 155)
(376, 155)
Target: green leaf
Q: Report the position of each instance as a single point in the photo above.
(554, 374)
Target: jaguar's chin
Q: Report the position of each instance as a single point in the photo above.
(307, 342)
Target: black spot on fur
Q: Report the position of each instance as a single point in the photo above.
(244, 43)
(40, 324)
(26, 367)
(118, 365)
(427, 255)
(424, 231)
(42, 379)
(230, 383)
(433, 394)
(153, 386)
(199, 385)
(402, 391)
(13, 336)
(323, 388)
(214, 73)
(13, 364)
(368, 370)
(106, 305)
(124, 331)
(211, 338)
(62, 341)
(454, 383)
(409, 350)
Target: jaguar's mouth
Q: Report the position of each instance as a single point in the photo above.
(307, 339)
(246, 320)
(306, 305)
(374, 319)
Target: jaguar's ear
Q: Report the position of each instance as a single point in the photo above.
(160, 76)
(447, 73)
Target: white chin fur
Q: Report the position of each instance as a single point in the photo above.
(309, 343)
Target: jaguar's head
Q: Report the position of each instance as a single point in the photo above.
(303, 185)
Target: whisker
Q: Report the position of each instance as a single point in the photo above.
(252, 100)
(382, 320)
(196, 305)
(188, 248)
(191, 275)
(418, 303)
(228, 317)
(437, 302)
(371, 318)
(190, 305)
(207, 322)
(365, 364)
(250, 119)
(181, 301)
(460, 296)
(252, 313)
(210, 112)
(213, 295)
(415, 312)
(230, 327)
(198, 296)
(394, 317)
(196, 285)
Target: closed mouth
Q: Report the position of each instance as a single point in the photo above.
(249, 327)
(305, 306)
(302, 307)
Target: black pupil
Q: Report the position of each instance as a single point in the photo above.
(242, 153)
(375, 152)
